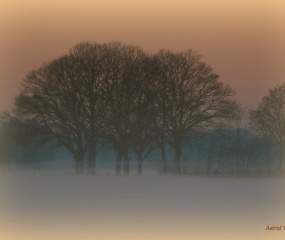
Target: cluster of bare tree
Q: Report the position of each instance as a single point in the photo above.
(231, 152)
(138, 103)
(120, 95)
(223, 151)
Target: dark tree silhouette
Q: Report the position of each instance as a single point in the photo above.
(24, 143)
(21, 131)
(143, 112)
(117, 93)
(160, 90)
(269, 118)
(89, 64)
(192, 96)
(119, 89)
(51, 98)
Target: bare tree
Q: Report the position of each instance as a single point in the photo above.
(89, 64)
(118, 93)
(160, 90)
(119, 89)
(143, 113)
(50, 97)
(193, 96)
(269, 118)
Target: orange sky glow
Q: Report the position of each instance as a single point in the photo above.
(244, 41)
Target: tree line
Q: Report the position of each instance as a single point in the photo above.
(135, 102)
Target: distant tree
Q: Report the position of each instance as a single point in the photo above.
(253, 154)
(20, 130)
(237, 139)
(51, 98)
(192, 96)
(22, 143)
(8, 139)
(269, 118)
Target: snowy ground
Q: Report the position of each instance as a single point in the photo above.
(53, 207)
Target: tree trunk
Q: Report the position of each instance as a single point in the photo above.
(281, 167)
(178, 153)
(139, 165)
(198, 163)
(119, 163)
(126, 164)
(237, 152)
(79, 158)
(221, 162)
(92, 158)
(209, 161)
(209, 166)
(79, 170)
(268, 162)
(163, 157)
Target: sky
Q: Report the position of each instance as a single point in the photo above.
(243, 40)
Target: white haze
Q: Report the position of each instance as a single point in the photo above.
(52, 206)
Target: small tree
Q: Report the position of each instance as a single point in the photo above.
(269, 118)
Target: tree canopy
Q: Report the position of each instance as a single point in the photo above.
(269, 117)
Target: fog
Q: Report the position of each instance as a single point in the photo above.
(57, 206)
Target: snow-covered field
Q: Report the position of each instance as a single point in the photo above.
(53, 206)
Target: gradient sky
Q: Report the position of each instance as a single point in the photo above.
(243, 40)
